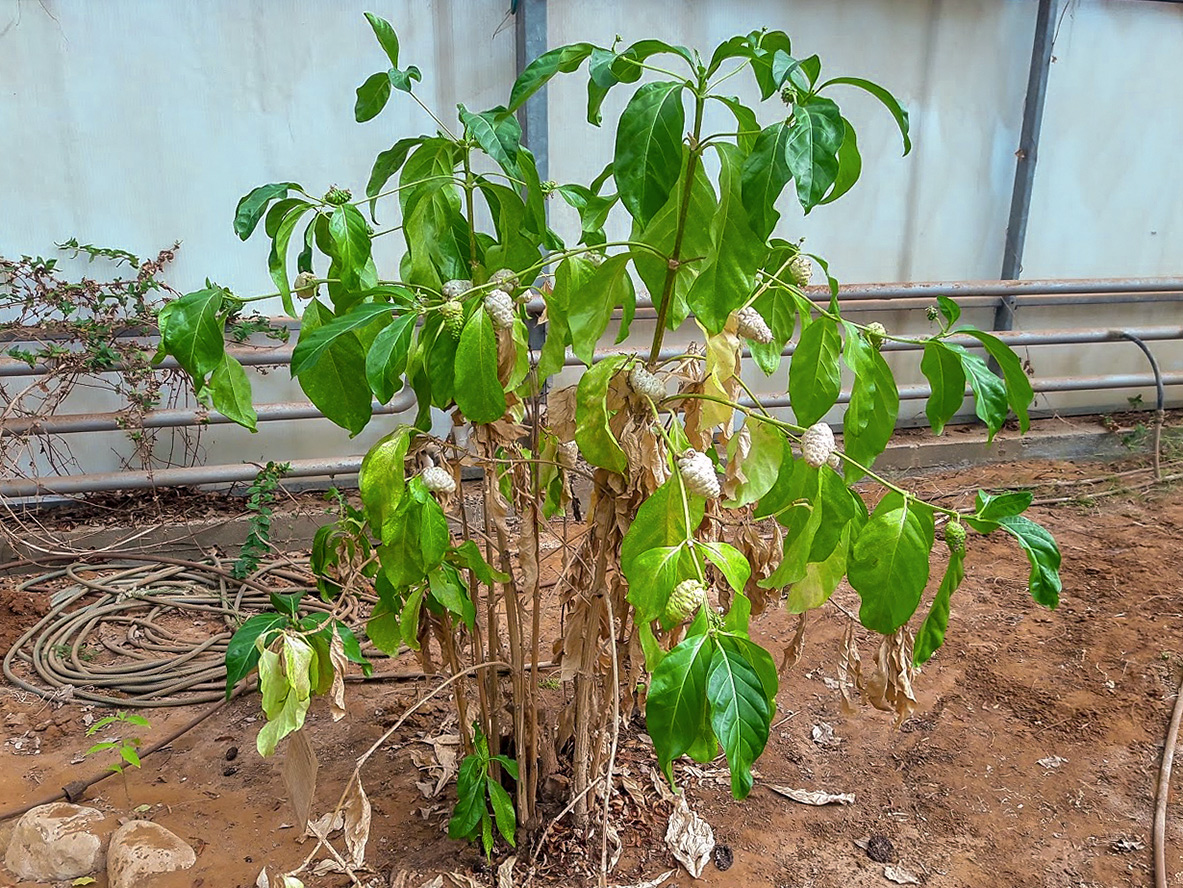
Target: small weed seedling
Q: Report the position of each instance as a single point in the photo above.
(127, 748)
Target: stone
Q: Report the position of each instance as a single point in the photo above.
(55, 843)
(140, 849)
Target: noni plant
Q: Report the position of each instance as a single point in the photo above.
(702, 507)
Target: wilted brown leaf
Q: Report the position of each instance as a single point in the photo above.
(792, 655)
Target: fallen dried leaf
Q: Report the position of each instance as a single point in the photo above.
(505, 873)
(689, 838)
(813, 796)
(823, 735)
(899, 876)
(652, 883)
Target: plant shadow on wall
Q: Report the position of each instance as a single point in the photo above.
(87, 333)
(705, 508)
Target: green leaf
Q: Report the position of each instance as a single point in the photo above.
(449, 591)
(242, 654)
(498, 133)
(468, 555)
(470, 802)
(741, 713)
(764, 175)
(649, 148)
(332, 383)
(995, 507)
(730, 561)
(949, 309)
(941, 366)
(254, 203)
(351, 244)
(676, 711)
(762, 464)
(747, 126)
(503, 812)
(388, 39)
(652, 576)
(764, 47)
(1043, 554)
(874, 403)
(660, 521)
(1018, 387)
(932, 633)
(562, 59)
(380, 480)
(386, 361)
(592, 416)
(386, 164)
(403, 80)
(850, 164)
(990, 402)
(414, 538)
(382, 629)
(889, 101)
(372, 97)
(821, 577)
(277, 259)
(129, 755)
(889, 563)
(811, 152)
(319, 342)
(478, 391)
(191, 331)
(592, 301)
(729, 274)
(231, 393)
(593, 211)
(815, 376)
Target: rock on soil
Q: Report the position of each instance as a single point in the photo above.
(53, 843)
(140, 849)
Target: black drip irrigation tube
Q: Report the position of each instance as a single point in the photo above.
(1161, 399)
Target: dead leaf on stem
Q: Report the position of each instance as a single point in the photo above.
(300, 767)
(793, 650)
(890, 687)
(850, 671)
(340, 663)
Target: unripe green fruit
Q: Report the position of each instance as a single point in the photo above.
(933, 312)
(955, 537)
(305, 285)
(688, 596)
(698, 474)
(337, 196)
(453, 314)
(875, 333)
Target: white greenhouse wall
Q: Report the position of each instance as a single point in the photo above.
(134, 123)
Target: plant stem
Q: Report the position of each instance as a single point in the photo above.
(469, 185)
(671, 274)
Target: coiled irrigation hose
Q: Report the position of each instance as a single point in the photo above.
(158, 661)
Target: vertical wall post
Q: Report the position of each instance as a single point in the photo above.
(1020, 203)
(531, 42)
(530, 37)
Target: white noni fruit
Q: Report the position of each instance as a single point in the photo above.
(500, 308)
(645, 383)
(750, 325)
(817, 444)
(698, 474)
(438, 480)
(801, 269)
(455, 289)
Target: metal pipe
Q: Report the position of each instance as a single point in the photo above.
(1052, 384)
(1015, 339)
(69, 423)
(72, 485)
(248, 356)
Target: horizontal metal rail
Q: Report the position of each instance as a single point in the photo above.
(73, 485)
(885, 297)
(70, 423)
(348, 466)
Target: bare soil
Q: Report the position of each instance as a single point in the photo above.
(1031, 761)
